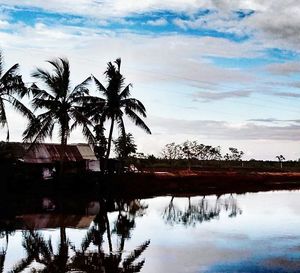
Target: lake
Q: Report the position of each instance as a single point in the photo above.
(253, 232)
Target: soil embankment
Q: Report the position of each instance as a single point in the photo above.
(199, 182)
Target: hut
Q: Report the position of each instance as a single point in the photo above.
(45, 159)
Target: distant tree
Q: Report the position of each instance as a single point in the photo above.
(234, 155)
(189, 151)
(171, 151)
(280, 158)
(215, 153)
(124, 146)
(206, 152)
(11, 87)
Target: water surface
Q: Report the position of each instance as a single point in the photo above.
(254, 232)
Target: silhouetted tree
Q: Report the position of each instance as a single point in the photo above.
(11, 87)
(117, 103)
(280, 158)
(124, 146)
(62, 105)
(234, 154)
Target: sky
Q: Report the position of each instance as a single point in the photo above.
(222, 72)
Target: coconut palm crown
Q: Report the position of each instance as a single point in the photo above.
(61, 104)
(117, 103)
(11, 87)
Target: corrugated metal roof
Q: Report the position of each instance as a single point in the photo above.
(86, 152)
(47, 153)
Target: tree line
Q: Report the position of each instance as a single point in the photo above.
(192, 150)
(60, 105)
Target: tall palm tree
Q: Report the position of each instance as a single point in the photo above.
(116, 103)
(62, 104)
(11, 87)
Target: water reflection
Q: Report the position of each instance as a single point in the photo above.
(91, 256)
(197, 211)
(229, 233)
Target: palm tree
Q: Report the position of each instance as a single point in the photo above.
(11, 86)
(62, 105)
(116, 103)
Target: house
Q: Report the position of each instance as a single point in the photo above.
(46, 158)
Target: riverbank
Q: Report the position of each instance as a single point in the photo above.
(198, 182)
(149, 184)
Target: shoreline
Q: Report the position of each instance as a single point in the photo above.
(200, 182)
(151, 184)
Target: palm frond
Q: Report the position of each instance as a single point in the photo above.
(118, 63)
(11, 82)
(126, 92)
(43, 75)
(20, 107)
(37, 130)
(137, 120)
(22, 265)
(80, 119)
(81, 89)
(99, 85)
(40, 93)
(134, 105)
(39, 103)
(10, 72)
(128, 261)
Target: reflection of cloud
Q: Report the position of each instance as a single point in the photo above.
(194, 258)
(288, 264)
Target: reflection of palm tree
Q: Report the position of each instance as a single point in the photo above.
(99, 261)
(201, 211)
(41, 251)
(232, 206)
(6, 229)
(91, 262)
(171, 212)
(117, 102)
(11, 84)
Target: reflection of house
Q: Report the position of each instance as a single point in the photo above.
(46, 221)
(47, 158)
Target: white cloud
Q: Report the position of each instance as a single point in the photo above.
(207, 96)
(158, 22)
(267, 24)
(208, 129)
(3, 24)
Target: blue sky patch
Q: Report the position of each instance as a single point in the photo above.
(144, 23)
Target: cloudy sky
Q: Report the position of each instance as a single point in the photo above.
(223, 72)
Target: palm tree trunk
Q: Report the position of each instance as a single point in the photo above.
(63, 143)
(110, 137)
